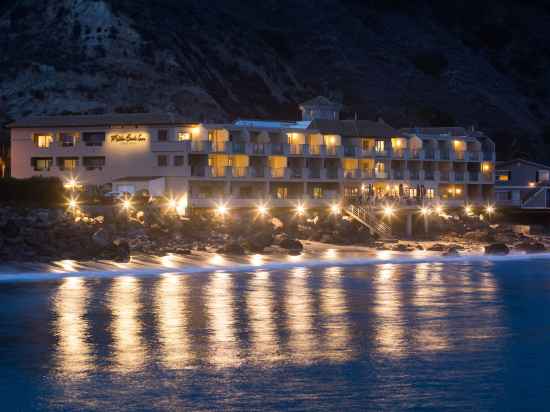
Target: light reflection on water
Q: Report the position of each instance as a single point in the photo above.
(231, 323)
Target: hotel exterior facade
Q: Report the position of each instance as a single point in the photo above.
(317, 160)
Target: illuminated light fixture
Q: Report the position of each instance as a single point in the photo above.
(335, 209)
(300, 209)
(531, 184)
(71, 184)
(439, 209)
(172, 203)
(469, 210)
(489, 209)
(72, 203)
(126, 204)
(262, 209)
(425, 211)
(388, 211)
(222, 209)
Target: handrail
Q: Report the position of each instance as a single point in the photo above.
(368, 218)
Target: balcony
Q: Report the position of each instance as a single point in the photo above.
(296, 149)
(278, 172)
(415, 154)
(444, 154)
(257, 172)
(218, 171)
(296, 173)
(429, 154)
(350, 151)
(380, 175)
(220, 147)
(239, 171)
(315, 149)
(238, 147)
(315, 173)
(473, 176)
(278, 148)
(459, 176)
(474, 156)
(332, 173)
(352, 174)
(429, 175)
(488, 156)
(380, 153)
(398, 153)
(414, 174)
(259, 148)
(444, 176)
(198, 171)
(200, 146)
(398, 174)
(331, 150)
(459, 155)
(487, 178)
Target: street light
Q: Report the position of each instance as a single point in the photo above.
(388, 211)
(489, 209)
(262, 209)
(425, 211)
(335, 209)
(222, 209)
(300, 209)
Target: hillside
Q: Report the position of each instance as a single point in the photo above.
(426, 64)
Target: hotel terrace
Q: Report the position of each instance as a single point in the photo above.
(317, 160)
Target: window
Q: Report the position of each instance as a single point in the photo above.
(379, 168)
(43, 140)
(93, 163)
(184, 136)
(503, 196)
(67, 163)
(68, 139)
(317, 192)
(93, 138)
(41, 163)
(162, 160)
(179, 160)
(281, 193)
(543, 176)
(503, 176)
(162, 135)
(430, 193)
(379, 146)
(413, 192)
(126, 188)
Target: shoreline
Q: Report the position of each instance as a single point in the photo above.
(335, 255)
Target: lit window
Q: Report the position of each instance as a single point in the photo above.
(43, 140)
(430, 193)
(379, 146)
(93, 163)
(184, 136)
(503, 177)
(486, 167)
(67, 163)
(41, 163)
(317, 192)
(544, 175)
(281, 193)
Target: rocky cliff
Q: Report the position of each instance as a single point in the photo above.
(412, 63)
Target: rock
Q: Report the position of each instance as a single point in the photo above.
(279, 238)
(258, 242)
(402, 247)
(438, 247)
(497, 249)
(452, 251)
(292, 244)
(232, 248)
(184, 251)
(277, 223)
(11, 229)
(531, 247)
(121, 251)
(102, 238)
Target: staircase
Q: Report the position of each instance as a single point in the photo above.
(368, 218)
(536, 199)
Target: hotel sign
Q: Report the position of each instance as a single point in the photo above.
(128, 138)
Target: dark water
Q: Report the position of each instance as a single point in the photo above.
(428, 336)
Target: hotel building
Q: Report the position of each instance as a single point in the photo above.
(318, 159)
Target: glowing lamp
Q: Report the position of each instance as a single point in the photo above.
(388, 211)
(468, 209)
(425, 211)
(300, 210)
(490, 209)
(335, 209)
(126, 204)
(262, 210)
(72, 203)
(439, 209)
(222, 209)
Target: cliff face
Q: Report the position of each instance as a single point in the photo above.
(214, 60)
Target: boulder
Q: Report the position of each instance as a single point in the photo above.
(402, 247)
(102, 238)
(280, 238)
(497, 249)
(292, 244)
(258, 242)
(232, 248)
(531, 247)
(437, 247)
(452, 251)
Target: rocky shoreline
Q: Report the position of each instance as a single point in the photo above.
(48, 235)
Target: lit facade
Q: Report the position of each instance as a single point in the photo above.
(317, 160)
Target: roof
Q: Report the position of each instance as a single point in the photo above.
(526, 162)
(90, 120)
(320, 101)
(136, 178)
(451, 131)
(353, 128)
(272, 124)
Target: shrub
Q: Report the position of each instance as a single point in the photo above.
(432, 63)
(35, 191)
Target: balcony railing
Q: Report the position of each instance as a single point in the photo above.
(296, 173)
(445, 154)
(331, 150)
(352, 174)
(414, 174)
(296, 149)
(259, 148)
(415, 154)
(217, 171)
(332, 173)
(444, 176)
(398, 153)
(398, 174)
(350, 151)
(238, 147)
(459, 155)
(474, 156)
(219, 147)
(473, 176)
(257, 172)
(239, 171)
(278, 148)
(200, 146)
(459, 176)
(429, 154)
(314, 149)
(429, 175)
(278, 172)
(198, 171)
(488, 156)
(380, 153)
(380, 175)
(314, 173)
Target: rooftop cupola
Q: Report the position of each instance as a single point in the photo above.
(320, 108)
